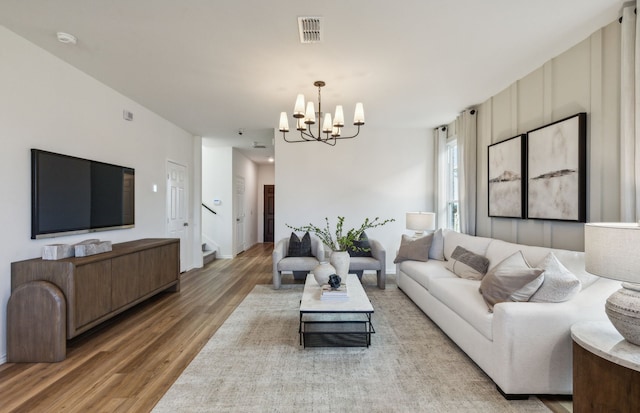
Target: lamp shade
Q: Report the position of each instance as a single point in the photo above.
(612, 250)
(421, 221)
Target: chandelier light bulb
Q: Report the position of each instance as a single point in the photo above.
(284, 122)
(327, 126)
(338, 119)
(358, 117)
(298, 109)
(310, 114)
(301, 126)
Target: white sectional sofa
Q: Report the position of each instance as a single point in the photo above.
(525, 347)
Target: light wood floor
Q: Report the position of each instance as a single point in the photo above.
(127, 364)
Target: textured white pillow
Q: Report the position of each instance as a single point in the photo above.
(511, 280)
(559, 284)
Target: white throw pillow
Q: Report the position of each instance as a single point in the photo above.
(511, 280)
(559, 284)
(436, 252)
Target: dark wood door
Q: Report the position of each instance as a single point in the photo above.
(269, 211)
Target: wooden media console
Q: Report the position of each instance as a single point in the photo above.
(52, 301)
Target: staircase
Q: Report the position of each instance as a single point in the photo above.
(208, 254)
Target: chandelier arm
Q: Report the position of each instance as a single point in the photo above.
(284, 136)
(350, 137)
(327, 141)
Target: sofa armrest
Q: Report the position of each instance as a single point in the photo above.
(537, 335)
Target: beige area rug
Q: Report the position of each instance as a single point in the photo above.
(254, 363)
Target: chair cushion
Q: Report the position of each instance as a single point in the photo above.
(297, 264)
(364, 263)
(298, 247)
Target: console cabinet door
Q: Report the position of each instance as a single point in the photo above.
(125, 280)
(161, 267)
(92, 291)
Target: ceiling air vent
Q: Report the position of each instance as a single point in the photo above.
(310, 29)
(258, 145)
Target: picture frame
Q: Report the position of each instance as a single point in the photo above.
(507, 177)
(556, 170)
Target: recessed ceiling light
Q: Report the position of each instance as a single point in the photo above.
(66, 38)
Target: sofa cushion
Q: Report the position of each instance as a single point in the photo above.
(472, 243)
(511, 280)
(361, 247)
(298, 247)
(462, 297)
(416, 249)
(498, 250)
(559, 283)
(423, 272)
(436, 252)
(466, 264)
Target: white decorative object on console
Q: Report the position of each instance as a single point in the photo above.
(57, 251)
(91, 247)
(611, 251)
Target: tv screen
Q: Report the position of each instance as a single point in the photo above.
(75, 195)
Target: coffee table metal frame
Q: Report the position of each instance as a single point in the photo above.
(335, 322)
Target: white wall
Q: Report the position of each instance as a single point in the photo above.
(47, 104)
(583, 79)
(381, 173)
(217, 185)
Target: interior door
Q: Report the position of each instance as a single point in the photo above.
(239, 190)
(177, 220)
(269, 212)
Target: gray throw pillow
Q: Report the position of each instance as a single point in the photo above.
(298, 247)
(361, 247)
(467, 264)
(511, 280)
(414, 249)
(559, 284)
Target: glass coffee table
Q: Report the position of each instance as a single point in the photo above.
(335, 322)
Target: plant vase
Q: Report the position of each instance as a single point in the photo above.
(322, 272)
(340, 260)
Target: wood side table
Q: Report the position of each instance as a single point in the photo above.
(606, 369)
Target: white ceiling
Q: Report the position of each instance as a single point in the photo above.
(215, 66)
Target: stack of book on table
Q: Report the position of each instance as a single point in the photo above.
(339, 293)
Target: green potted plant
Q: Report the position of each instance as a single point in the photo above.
(339, 241)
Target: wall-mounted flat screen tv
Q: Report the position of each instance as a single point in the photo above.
(72, 195)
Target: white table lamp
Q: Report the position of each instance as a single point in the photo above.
(612, 250)
(420, 222)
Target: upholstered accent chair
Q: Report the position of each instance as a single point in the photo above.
(376, 262)
(299, 266)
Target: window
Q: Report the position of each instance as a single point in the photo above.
(453, 221)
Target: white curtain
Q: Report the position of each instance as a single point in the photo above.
(440, 138)
(630, 115)
(467, 156)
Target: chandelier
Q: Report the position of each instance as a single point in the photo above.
(305, 118)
